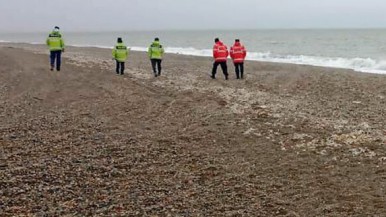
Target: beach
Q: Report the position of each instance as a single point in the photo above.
(288, 140)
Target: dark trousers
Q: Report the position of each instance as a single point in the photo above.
(120, 67)
(223, 67)
(56, 56)
(156, 65)
(239, 68)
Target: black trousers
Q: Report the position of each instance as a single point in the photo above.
(239, 69)
(223, 67)
(56, 56)
(156, 65)
(120, 67)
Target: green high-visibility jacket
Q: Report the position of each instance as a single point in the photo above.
(55, 41)
(120, 52)
(155, 50)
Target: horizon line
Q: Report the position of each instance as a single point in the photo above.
(203, 29)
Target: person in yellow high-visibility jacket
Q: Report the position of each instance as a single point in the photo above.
(55, 43)
(120, 54)
(155, 53)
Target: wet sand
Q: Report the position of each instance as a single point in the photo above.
(288, 140)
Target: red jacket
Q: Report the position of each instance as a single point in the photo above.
(220, 52)
(238, 52)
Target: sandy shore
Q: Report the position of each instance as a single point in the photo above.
(289, 140)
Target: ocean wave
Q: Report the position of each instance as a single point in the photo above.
(91, 46)
(189, 51)
(358, 64)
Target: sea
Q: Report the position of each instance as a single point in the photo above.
(362, 50)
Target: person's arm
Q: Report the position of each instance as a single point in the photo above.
(149, 52)
(113, 53)
(214, 51)
(62, 44)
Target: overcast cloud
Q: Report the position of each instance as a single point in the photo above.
(94, 15)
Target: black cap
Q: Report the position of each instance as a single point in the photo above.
(119, 40)
(56, 27)
(216, 40)
(156, 39)
(237, 40)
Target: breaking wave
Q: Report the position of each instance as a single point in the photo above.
(358, 64)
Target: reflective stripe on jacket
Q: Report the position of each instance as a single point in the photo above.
(120, 52)
(238, 52)
(55, 41)
(220, 52)
(155, 50)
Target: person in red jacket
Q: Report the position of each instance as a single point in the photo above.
(238, 54)
(220, 54)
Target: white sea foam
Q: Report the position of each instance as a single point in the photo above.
(358, 64)
(90, 46)
(139, 48)
(36, 43)
(189, 51)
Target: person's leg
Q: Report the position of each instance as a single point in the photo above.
(117, 67)
(52, 59)
(159, 67)
(241, 70)
(237, 65)
(224, 69)
(214, 69)
(58, 60)
(153, 65)
(122, 67)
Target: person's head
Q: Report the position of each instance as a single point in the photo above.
(237, 40)
(56, 29)
(216, 40)
(156, 39)
(119, 40)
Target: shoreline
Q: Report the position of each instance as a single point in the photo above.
(191, 53)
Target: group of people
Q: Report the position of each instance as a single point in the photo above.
(120, 53)
(220, 55)
(155, 52)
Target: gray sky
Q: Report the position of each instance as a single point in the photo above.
(94, 15)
